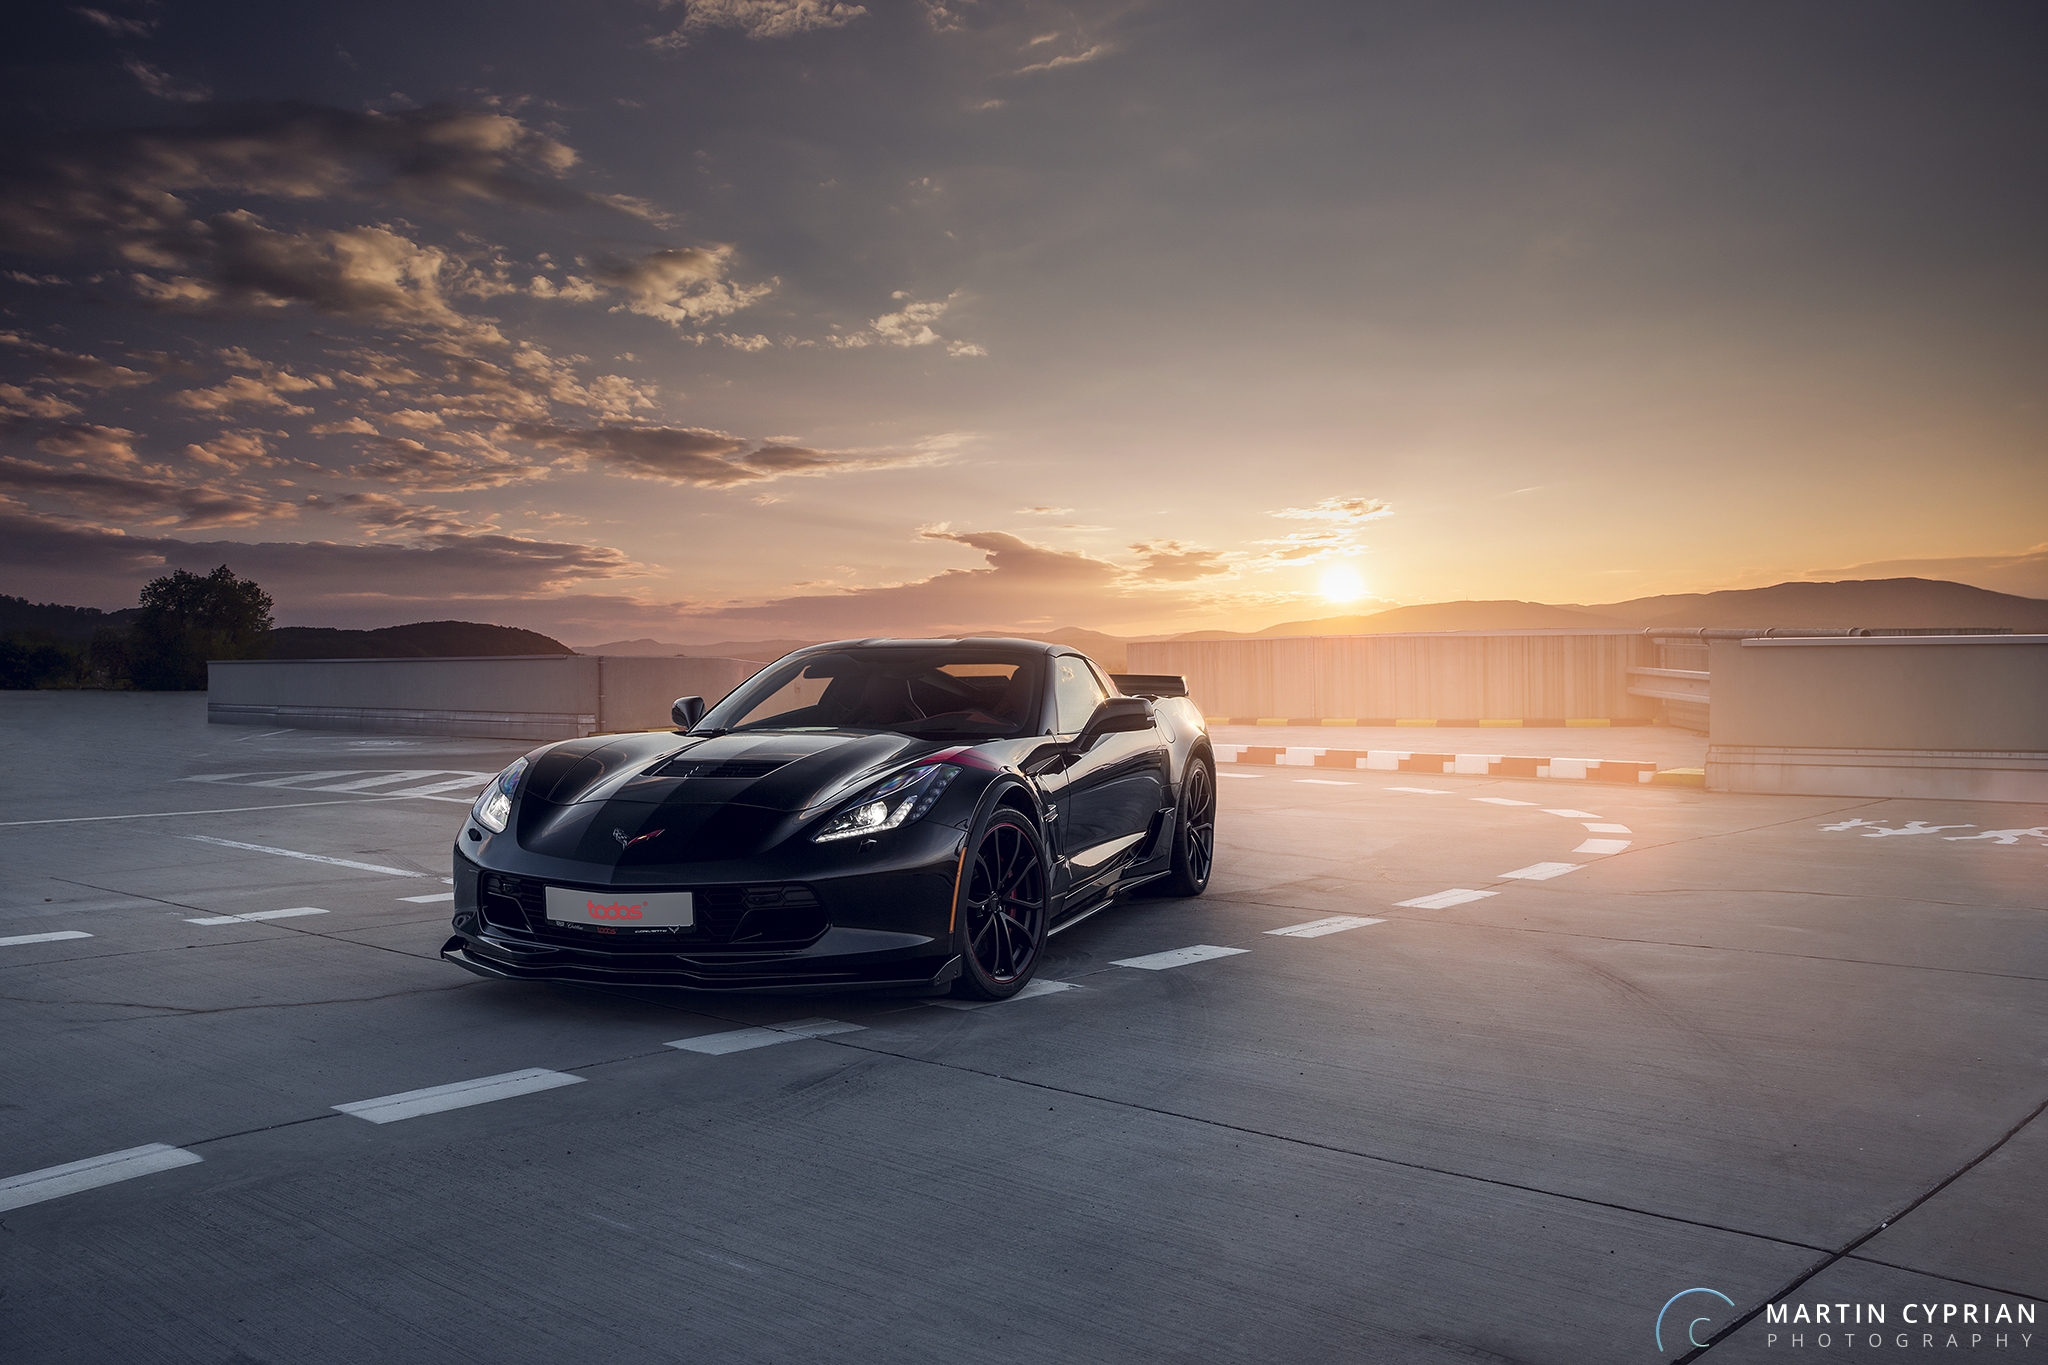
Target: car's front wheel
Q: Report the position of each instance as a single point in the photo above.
(1002, 908)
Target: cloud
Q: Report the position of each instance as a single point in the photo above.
(1349, 511)
(235, 451)
(1170, 561)
(679, 284)
(61, 561)
(19, 402)
(63, 367)
(266, 388)
(151, 496)
(85, 441)
(422, 468)
(910, 325)
(758, 18)
(703, 458)
(1043, 511)
(115, 24)
(163, 85)
(1099, 50)
(383, 512)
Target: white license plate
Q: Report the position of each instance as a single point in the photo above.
(622, 909)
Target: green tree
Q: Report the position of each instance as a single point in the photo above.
(187, 619)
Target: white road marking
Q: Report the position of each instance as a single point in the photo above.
(1602, 846)
(1178, 957)
(309, 857)
(428, 900)
(437, 1099)
(1502, 801)
(43, 938)
(1420, 791)
(382, 780)
(1444, 900)
(434, 788)
(1597, 827)
(19, 1191)
(1316, 928)
(1542, 872)
(1324, 782)
(251, 918)
(288, 780)
(746, 1039)
(1030, 992)
(217, 810)
(1573, 814)
(1254, 775)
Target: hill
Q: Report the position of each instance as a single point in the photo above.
(1106, 650)
(420, 640)
(1846, 605)
(48, 620)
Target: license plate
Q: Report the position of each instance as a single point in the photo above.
(622, 910)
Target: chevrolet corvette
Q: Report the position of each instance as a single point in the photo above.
(917, 815)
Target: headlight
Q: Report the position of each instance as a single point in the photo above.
(494, 807)
(902, 799)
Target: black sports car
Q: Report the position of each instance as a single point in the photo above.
(870, 813)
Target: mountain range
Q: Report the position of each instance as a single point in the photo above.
(1895, 603)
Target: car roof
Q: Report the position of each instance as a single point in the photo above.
(973, 641)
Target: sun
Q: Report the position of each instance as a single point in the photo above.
(1341, 583)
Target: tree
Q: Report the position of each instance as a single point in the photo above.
(187, 620)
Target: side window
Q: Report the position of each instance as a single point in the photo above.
(1076, 694)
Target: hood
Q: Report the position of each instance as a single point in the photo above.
(724, 796)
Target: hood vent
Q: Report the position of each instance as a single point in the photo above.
(740, 768)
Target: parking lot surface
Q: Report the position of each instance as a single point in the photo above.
(1455, 1070)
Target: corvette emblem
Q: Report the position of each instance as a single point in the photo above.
(625, 843)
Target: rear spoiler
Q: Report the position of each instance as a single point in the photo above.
(1154, 685)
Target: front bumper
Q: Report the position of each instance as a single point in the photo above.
(757, 928)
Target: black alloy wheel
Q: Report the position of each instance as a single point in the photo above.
(1002, 908)
(1194, 842)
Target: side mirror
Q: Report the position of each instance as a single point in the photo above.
(1116, 716)
(687, 712)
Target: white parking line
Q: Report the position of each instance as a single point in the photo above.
(1444, 900)
(1178, 957)
(1250, 775)
(1030, 992)
(471, 780)
(1598, 827)
(1602, 846)
(428, 900)
(1324, 782)
(1421, 791)
(1316, 928)
(252, 917)
(19, 1191)
(746, 1039)
(1542, 872)
(1573, 814)
(383, 780)
(309, 857)
(1502, 801)
(43, 938)
(436, 1099)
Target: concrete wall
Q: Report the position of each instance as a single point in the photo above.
(1937, 716)
(1468, 675)
(537, 697)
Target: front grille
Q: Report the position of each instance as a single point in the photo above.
(774, 915)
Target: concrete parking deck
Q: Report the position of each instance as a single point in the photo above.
(1471, 1070)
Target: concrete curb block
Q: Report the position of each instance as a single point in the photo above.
(1437, 765)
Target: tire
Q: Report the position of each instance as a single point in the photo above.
(1001, 911)
(1194, 832)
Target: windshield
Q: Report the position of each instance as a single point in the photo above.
(964, 694)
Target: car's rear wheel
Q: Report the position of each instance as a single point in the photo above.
(1002, 908)
(1194, 839)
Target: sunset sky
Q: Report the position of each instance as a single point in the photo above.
(747, 318)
